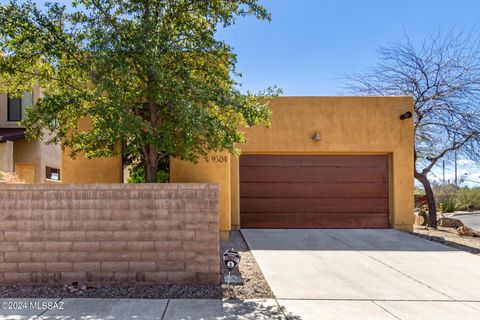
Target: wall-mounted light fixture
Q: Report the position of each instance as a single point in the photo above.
(316, 137)
(406, 115)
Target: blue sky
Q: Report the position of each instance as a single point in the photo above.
(311, 45)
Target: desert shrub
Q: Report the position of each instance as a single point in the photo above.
(448, 205)
(137, 175)
(444, 193)
(468, 199)
(137, 172)
(9, 177)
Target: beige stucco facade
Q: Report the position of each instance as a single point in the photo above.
(28, 159)
(6, 156)
(346, 125)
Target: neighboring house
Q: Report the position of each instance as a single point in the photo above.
(32, 161)
(38, 162)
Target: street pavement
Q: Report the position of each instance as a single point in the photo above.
(470, 219)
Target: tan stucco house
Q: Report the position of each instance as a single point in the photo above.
(32, 161)
(326, 162)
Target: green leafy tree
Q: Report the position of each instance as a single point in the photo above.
(149, 74)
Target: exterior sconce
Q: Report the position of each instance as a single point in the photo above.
(406, 115)
(316, 137)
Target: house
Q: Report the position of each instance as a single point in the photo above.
(326, 162)
(32, 161)
(38, 162)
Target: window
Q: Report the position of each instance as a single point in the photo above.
(14, 109)
(52, 173)
(16, 106)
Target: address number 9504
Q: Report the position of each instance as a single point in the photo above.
(219, 159)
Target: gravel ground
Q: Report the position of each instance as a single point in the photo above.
(144, 292)
(254, 284)
(449, 237)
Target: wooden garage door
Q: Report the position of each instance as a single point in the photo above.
(303, 191)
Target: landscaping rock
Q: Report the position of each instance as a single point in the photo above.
(420, 218)
(449, 222)
(465, 231)
(449, 237)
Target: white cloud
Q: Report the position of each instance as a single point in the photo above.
(464, 162)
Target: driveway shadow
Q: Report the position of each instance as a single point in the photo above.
(338, 240)
(260, 309)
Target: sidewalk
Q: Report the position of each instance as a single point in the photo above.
(113, 309)
(208, 309)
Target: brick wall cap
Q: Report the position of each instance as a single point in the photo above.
(111, 186)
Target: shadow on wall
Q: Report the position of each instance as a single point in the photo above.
(338, 239)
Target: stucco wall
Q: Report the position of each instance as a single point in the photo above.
(39, 154)
(347, 125)
(209, 171)
(96, 170)
(51, 157)
(29, 152)
(6, 156)
(109, 233)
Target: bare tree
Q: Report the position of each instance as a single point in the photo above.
(443, 77)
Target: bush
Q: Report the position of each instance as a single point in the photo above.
(9, 177)
(137, 171)
(468, 199)
(448, 205)
(137, 175)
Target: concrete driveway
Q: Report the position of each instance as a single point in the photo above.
(366, 274)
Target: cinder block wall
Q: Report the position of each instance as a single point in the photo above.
(109, 233)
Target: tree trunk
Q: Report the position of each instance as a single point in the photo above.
(151, 153)
(432, 209)
(151, 166)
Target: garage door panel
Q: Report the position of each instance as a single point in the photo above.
(304, 191)
(313, 174)
(313, 220)
(308, 189)
(314, 161)
(272, 205)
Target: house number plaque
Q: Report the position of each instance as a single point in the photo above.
(219, 159)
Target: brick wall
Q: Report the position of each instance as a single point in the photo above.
(109, 233)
